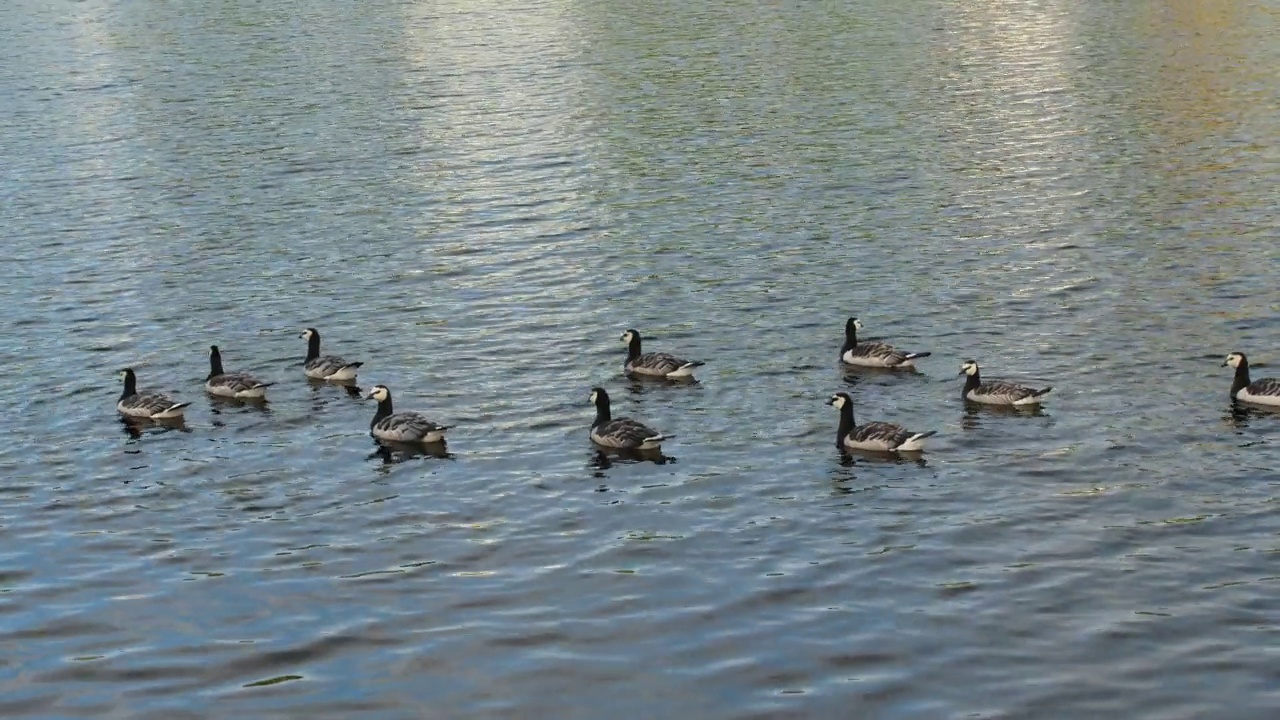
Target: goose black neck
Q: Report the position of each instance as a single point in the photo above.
(603, 415)
(384, 410)
(313, 346)
(850, 337)
(130, 384)
(215, 363)
(1242, 378)
(846, 423)
(633, 347)
(971, 382)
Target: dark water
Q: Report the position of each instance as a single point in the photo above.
(478, 198)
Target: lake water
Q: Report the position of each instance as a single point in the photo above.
(477, 198)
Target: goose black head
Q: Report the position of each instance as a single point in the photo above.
(309, 333)
(969, 367)
(630, 336)
(840, 400)
(598, 396)
(130, 382)
(852, 326)
(1235, 360)
(379, 393)
(215, 361)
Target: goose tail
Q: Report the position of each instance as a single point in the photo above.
(346, 372)
(172, 411)
(1034, 399)
(686, 370)
(916, 442)
(436, 435)
(654, 441)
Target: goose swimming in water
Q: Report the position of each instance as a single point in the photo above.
(621, 433)
(325, 367)
(150, 405)
(660, 365)
(233, 385)
(874, 436)
(1259, 392)
(402, 427)
(873, 354)
(997, 392)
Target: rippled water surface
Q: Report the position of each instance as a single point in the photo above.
(477, 198)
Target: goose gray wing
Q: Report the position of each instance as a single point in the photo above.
(149, 404)
(235, 382)
(408, 427)
(891, 434)
(326, 366)
(875, 350)
(878, 353)
(1012, 392)
(659, 364)
(1266, 387)
(624, 433)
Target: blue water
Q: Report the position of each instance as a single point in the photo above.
(476, 200)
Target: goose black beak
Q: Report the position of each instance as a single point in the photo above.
(961, 372)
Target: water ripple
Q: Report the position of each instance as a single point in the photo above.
(477, 201)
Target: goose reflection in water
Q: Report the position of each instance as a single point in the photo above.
(135, 428)
(1239, 415)
(349, 386)
(850, 458)
(392, 453)
(320, 399)
(854, 374)
(605, 459)
(643, 387)
(974, 413)
(218, 405)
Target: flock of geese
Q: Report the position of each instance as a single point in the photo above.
(627, 434)
(387, 425)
